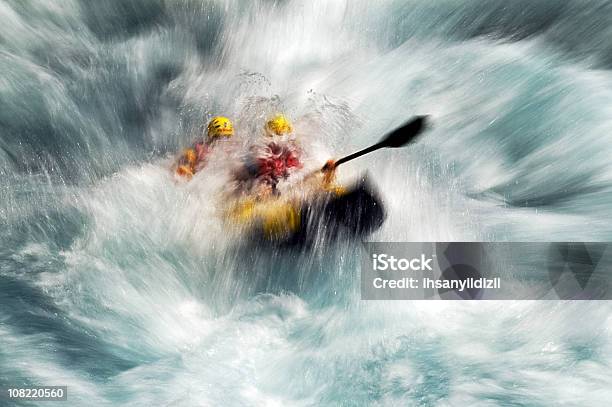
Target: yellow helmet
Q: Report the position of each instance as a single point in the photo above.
(220, 126)
(278, 125)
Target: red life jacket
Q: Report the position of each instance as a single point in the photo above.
(277, 162)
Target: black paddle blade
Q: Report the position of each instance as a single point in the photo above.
(406, 133)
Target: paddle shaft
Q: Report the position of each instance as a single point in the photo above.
(399, 137)
(359, 153)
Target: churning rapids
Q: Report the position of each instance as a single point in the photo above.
(123, 285)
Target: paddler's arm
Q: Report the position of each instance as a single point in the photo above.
(184, 171)
(328, 171)
(185, 166)
(330, 166)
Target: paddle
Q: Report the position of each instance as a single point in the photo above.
(399, 137)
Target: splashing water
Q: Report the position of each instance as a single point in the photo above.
(123, 285)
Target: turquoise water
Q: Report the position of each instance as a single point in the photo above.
(124, 285)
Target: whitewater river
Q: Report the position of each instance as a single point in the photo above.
(124, 285)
